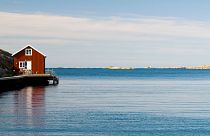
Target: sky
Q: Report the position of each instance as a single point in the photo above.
(100, 33)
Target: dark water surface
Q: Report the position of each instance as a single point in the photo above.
(100, 102)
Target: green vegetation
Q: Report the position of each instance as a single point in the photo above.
(6, 64)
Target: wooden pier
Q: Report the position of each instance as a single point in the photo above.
(17, 82)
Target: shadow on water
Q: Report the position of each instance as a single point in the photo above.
(12, 88)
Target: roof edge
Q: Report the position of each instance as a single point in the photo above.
(30, 47)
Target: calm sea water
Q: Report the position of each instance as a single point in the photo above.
(101, 102)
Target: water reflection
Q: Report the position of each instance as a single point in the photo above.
(29, 107)
(108, 107)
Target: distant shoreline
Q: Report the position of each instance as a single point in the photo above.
(187, 68)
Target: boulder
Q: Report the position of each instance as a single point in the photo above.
(6, 64)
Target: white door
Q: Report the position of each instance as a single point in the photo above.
(28, 66)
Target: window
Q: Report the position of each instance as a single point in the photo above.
(28, 52)
(22, 64)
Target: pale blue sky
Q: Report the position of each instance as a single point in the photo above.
(99, 33)
(191, 9)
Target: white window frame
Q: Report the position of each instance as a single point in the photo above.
(28, 52)
(22, 64)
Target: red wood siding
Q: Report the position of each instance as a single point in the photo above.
(37, 61)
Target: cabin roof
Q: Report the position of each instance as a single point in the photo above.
(29, 46)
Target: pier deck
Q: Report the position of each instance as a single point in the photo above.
(16, 82)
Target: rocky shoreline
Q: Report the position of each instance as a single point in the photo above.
(6, 64)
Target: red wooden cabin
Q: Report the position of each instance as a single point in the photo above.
(29, 61)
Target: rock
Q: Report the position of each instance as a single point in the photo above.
(6, 64)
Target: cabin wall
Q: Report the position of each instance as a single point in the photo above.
(37, 59)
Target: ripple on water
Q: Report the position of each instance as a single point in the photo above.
(108, 107)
